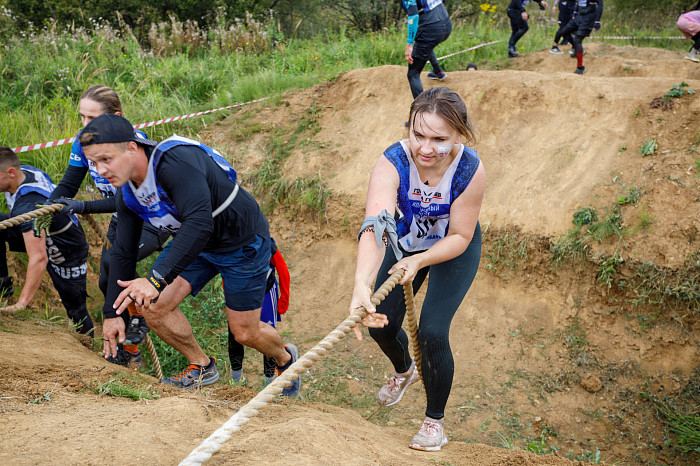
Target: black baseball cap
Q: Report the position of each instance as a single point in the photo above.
(111, 128)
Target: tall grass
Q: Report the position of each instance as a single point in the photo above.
(43, 72)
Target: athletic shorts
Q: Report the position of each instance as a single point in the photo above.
(244, 273)
(269, 313)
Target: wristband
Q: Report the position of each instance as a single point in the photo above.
(157, 281)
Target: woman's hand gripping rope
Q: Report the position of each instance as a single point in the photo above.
(361, 299)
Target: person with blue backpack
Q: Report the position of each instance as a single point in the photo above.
(62, 250)
(428, 25)
(189, 190)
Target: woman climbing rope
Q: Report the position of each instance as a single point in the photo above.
(435, 185)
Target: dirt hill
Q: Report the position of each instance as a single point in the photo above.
(548, 359)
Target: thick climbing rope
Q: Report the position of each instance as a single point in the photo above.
(413, 326)
(149, 343)
(98, 229)
(14, 221)
(212, 444)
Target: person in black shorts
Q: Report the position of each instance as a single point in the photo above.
(518, 22)
(190, 190)
(428, 25)
(63, 251)
(566, 10)
(275, 304)
(94, 102)
(586, 17)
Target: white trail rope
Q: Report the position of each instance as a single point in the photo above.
(470, 48)
(213, 443)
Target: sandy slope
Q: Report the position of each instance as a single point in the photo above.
(549, 141)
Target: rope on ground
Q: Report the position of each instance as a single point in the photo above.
(14, 221)
(149, 343)
(212, 444)
(412, 326)
(470, 48)
(154, 357)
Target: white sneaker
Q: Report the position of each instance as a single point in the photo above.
(430, 437)
(693, 55)
(392, 392)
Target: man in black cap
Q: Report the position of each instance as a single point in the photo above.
(190, 190)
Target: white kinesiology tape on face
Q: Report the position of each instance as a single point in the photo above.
(443, 150)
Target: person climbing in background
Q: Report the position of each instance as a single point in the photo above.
(689, 25)
(472, 67)
(275, 304)
(428, 25)
(95, 101)
(566, 10)
(62, 250)
(435, 184)
(190, 190)
(518, 22)
(586, 17)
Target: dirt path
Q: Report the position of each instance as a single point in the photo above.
(548, 360)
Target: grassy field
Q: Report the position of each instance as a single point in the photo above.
(44, 72)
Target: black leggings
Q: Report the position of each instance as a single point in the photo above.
(448, 284)
(236, 352)
(518, 27)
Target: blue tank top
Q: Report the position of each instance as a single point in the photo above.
(150, 202)
(42, 185)
(424, 211)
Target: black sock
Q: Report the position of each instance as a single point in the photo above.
(289, 363)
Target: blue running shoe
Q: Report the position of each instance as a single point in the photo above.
(194, 376)
(438, 76)
(293, 390)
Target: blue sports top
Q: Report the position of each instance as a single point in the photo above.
(150, 201)
(424, 210)
(42, 185)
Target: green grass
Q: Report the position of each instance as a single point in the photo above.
(43, 73)
(123, 387)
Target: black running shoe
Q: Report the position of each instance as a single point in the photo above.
(580, 70)
(6, 287)
(126, 358)
(137, 331)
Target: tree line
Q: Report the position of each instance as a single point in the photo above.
(305, 19)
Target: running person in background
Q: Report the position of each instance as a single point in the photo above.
(437, 185)
(94, 102)
(190, 190)
(428, 25)
(518, 22)
(276, 303)
(586, 17)
(63, 251)
(689, 25)
(566, 10)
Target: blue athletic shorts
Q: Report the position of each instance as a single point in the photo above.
(244, 272)
(269, 313)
